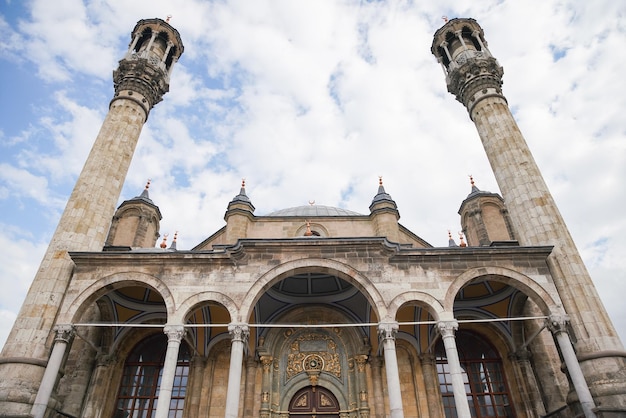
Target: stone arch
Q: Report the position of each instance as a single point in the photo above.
(428, 301)
(343, 271)
(77, 306)
(186, 306)
(528, 286)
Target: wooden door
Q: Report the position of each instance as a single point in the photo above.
(314, 402)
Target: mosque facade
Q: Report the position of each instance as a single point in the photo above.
(313, 311)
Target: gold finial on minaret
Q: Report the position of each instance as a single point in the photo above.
(243, 183)
(462, 244)
(148, 184)
(169, 17)
(445, 19)
(471, 180)
(449, 234)
(175, 236)
(164, 243)
(311, 202)
(380, 180)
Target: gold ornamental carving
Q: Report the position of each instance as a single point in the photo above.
(306, 355)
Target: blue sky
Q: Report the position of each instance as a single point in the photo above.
(312, 101)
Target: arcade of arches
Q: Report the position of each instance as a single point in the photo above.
(313, 346)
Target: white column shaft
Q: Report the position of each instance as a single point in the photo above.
(576, 374)
(387, 332)
(239, 336)
(52, 370)
(456, 372)
(174, 334)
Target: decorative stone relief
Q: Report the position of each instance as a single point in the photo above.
(313, 353)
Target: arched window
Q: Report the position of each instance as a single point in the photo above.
(141, 381)
(485, 384)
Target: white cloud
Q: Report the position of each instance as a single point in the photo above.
(19, 258)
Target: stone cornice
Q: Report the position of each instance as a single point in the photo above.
(229, 255)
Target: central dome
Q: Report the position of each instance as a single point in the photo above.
(313, 210)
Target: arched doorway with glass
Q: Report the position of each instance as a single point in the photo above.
(141, 379)
(483, 374)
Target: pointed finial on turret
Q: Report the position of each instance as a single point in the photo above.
(451, 242)
(164, 243)
(462, 244)
(445, 19)
(169, 17)
(241, 201)
(173, 244)
(474, 188)
(382, 197)
(144, 194)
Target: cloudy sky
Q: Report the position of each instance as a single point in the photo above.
(312, 100)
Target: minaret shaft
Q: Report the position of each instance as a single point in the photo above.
(474, 76)
(83, 225)
(537, 220)
(141, 80)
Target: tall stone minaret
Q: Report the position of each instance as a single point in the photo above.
(140, 81)
(474, 76)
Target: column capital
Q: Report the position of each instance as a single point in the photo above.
(387, 330)
(266, 362)
(361, 360)
(174, 332)
(64, 332)
(558, 323)
(447, 328)
(239, 332)
(427, 358)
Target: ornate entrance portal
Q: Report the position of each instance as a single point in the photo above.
(314, 401)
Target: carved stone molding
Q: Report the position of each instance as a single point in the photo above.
(474, 75)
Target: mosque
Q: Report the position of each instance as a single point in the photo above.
(313, 311)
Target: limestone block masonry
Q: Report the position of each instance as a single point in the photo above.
(140, 82)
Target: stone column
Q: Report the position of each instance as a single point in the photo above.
(431, 381)
(239, 334)
(387, 333)
(266, 385)
(99, 384)
(64, 334)
(248, 399)
(192, 403)
(377, 386)
(531, 397)
(364, 408)
(447, 329)
(558, 326)
(174, 336)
